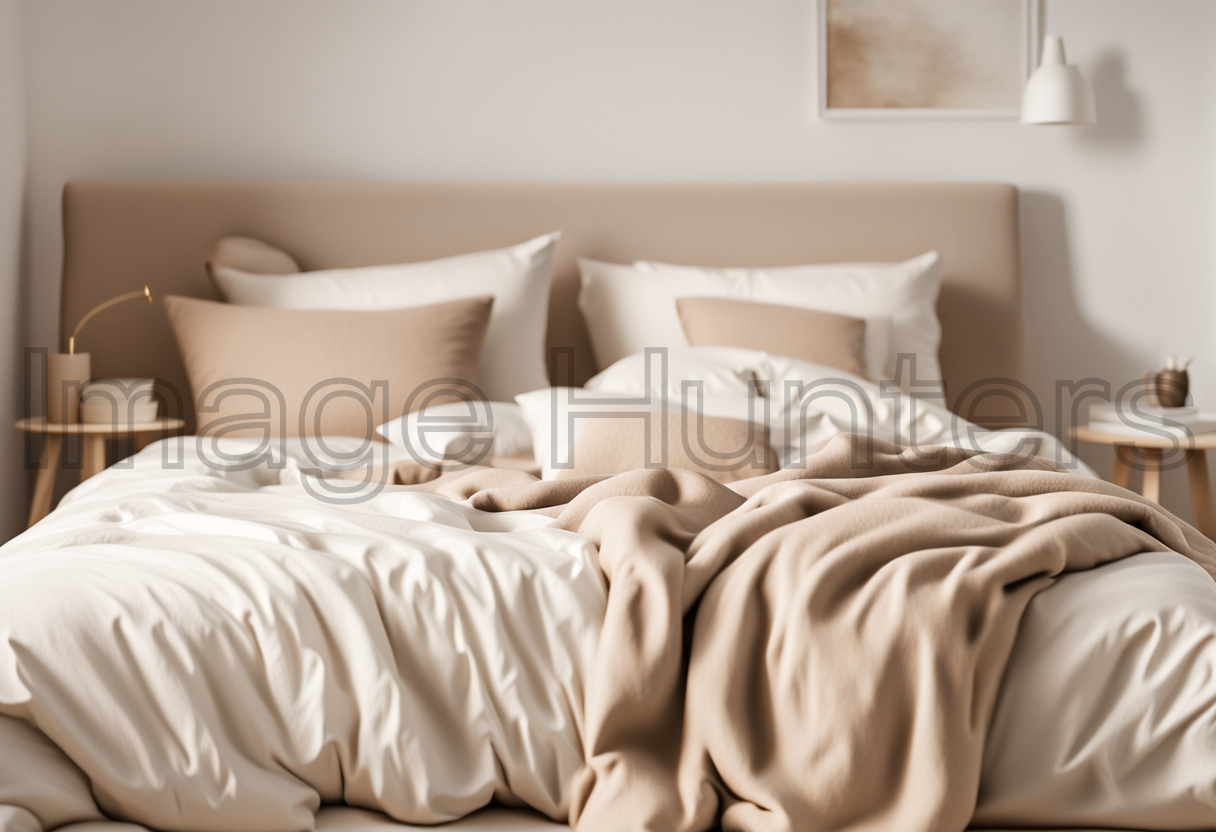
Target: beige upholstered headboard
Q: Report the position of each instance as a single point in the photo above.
(121, 234)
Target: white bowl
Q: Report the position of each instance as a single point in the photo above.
(118, 389)
(102, 411)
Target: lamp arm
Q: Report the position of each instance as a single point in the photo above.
(138, 293)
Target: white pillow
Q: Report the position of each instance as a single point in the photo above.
(807, 404)
(513, 360)
(629, 308)
(470, 431)
(816, 403)
(723, 372)
(553, 416)
(729, 375)
(813, 403)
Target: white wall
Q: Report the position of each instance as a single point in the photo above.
(1118, 246)
(12, 188)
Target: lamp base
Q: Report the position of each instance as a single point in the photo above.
(66, 376)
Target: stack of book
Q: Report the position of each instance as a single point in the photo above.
(1152, 420)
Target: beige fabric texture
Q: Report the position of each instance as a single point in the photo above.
(725, 450)
(250, 255)
(120, 234)
(825, 338)
(297, 350)
(769, 664)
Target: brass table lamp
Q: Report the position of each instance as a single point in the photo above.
(68, 373)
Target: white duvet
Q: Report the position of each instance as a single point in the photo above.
(197, 651)
(228, 652)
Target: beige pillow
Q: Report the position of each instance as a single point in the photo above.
(517, 277)
(825, 338)
(250, 255)
(726, 450)
(273, 358)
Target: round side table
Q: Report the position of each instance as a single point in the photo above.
(1152, 450)
(93, 446)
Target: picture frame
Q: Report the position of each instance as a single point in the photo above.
(1030, 18)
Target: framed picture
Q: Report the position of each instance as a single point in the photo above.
(915, 59)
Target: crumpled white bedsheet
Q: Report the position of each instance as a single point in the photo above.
(190, 650)
(228, 652)
(1107, 711)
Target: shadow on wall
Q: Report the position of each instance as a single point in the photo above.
(1062, 343)
(1120, 108)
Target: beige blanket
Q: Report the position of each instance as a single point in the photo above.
(768, 664)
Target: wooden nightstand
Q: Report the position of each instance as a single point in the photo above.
(93, 441)
(1152, 450)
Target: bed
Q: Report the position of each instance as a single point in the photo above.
(234, 656)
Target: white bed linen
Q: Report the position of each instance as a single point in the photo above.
(225, 651)
(229, 652)
(1110, 695)
(807, 405)
(461, 431)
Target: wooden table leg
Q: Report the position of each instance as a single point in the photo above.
(1152, 475)
(1201, 492)
(1122, 473)
(44, 485)
(94, 455)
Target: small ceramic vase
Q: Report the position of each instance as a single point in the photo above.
(1172, 388)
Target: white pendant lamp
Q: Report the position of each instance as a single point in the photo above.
(1057, 93)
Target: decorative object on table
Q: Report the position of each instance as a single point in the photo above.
(93, 458)
(1057, 92)
(118, 402)
(67, 373)
(925, 58)
(1173, 384)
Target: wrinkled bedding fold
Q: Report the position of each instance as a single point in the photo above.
(819, 649)
(848, 635)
